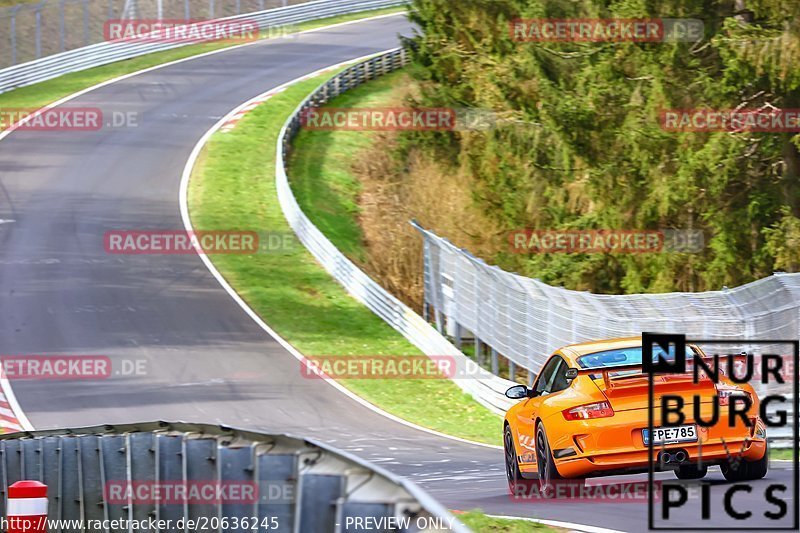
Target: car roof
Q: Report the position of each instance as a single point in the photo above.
(573, 351)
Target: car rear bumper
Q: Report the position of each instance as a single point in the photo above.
(615, 444)
(637, 461)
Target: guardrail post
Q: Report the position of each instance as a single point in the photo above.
(86, 37)
(512, 370)
(439, 320)
(61, 26)
(458, 336)
(38, 44)
(478, 352)
(495, 363)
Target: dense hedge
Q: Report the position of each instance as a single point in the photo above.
(579, 143)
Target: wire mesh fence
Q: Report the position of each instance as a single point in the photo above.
(33, 30)
(526, 320)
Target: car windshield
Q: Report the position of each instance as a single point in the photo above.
(626, 356)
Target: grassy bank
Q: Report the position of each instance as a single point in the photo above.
(783, 454)
(233, 186)
(322, 164)
(47, 92)
(478, 521)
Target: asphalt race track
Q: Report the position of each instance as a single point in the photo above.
(206, 360)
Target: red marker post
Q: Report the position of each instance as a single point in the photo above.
(27, 507)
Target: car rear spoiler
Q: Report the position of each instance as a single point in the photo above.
(573, 373)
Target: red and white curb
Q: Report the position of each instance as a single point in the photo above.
(9, 423)
(232, 120)
(12, 419)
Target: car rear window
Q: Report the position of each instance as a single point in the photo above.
(626, 356)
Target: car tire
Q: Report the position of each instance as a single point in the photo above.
(691, 472)
(747, 471)
(548, 476)
(517, 486)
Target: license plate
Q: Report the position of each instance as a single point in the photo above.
(671, 435)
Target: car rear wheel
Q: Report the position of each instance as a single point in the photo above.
(549, 478)
(746, 471)
(691, 472)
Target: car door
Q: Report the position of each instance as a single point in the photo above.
(527, 415)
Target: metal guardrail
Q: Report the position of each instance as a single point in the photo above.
(297, 485)
(485, 387)
(32, 30)
(104, 53)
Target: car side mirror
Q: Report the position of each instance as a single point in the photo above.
(517, 392)
(571, 374)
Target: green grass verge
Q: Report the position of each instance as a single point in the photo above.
(321, 168)
(233, 186)
(44, 93)
(477, 521)
(781, 453)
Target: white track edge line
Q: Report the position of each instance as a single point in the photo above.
(5, 385)
(557, 523)
(187, 172)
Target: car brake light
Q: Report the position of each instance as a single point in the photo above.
(592, 410)
(725, 395)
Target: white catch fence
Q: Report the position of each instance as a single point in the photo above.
(526, 320)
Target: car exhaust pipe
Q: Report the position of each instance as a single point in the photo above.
(672, 458)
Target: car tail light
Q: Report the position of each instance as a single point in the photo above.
(725, 394)
(592, 410)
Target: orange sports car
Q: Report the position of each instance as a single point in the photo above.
(587, 415)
